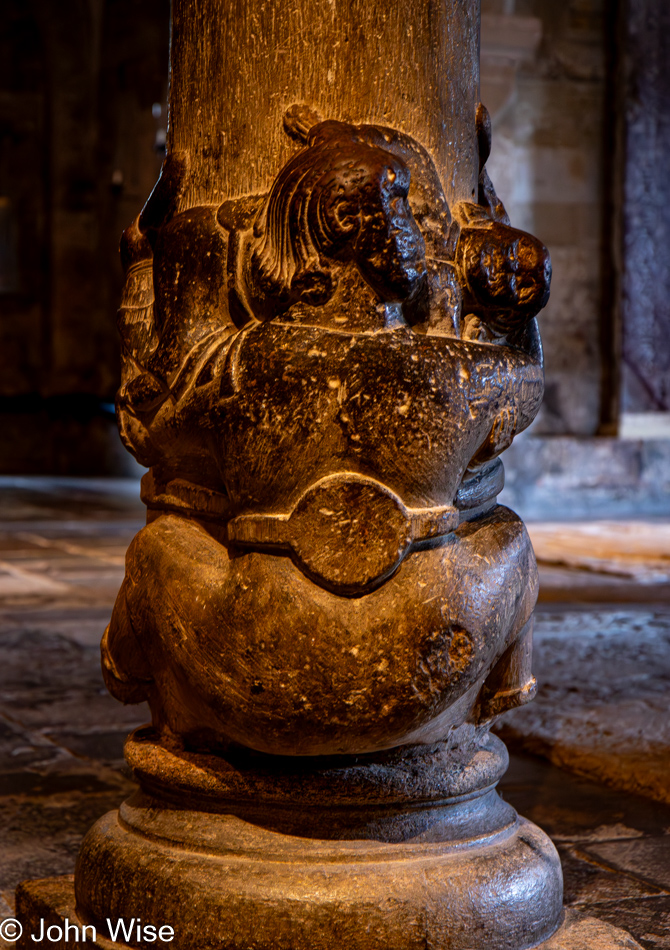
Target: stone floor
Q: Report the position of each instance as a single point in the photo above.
(602, 658)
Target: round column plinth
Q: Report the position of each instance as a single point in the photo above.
(444, 871)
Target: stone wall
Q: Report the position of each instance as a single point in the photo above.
(548, 166)
(81, 138)
(566, 478)
(580, 96)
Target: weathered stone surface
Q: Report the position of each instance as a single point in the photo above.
(650, 920)
(328, 338)
(271, 690)
(602, 707)
(236, 878)
(330, 60)
(59, 782)
(587, 933)
(644, 255)
(633, 855)
(580, 815)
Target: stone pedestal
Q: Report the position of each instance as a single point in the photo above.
(329, 337)
(394, 850)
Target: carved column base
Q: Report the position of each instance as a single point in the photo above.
(399, 850)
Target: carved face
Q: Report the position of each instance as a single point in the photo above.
(386, 244)
(506, 269)
(339, 201)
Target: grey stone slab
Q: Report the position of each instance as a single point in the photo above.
(59, 779)
(59, 498)
(72, 587)
(634, 549)
(570, 586)
(22, 750)
(648, 920)
(50, 682)
(13, 533)
(53, 899)
(645, 228)
(648, 858)
(41, 835)
(103, 745)
(82, 624)
(573, 809)
(581, 932)
(64, 568)
(585, 478)
(603, 703)
(40, 669)
(589, 881)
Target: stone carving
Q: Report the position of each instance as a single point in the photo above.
(322, 386)
(327, 603)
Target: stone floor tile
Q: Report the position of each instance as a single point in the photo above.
(23, 752)
(41, 837)
(36, 498)
(589, 880)
(569, 586)
(103, 745)
(82, 624)
(581, 932)
(648, 858)
(603, 702)
(48, 681)
(105, 550)
(69, 776)
(573, 809)
(647, 920)
(7, 903)
(16, 581)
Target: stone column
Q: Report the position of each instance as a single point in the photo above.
(238, 66)
(329, 337)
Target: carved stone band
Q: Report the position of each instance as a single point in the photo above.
(348, 532)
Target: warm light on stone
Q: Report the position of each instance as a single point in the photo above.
(328, 337)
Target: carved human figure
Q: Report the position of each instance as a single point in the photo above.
(321, 388)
